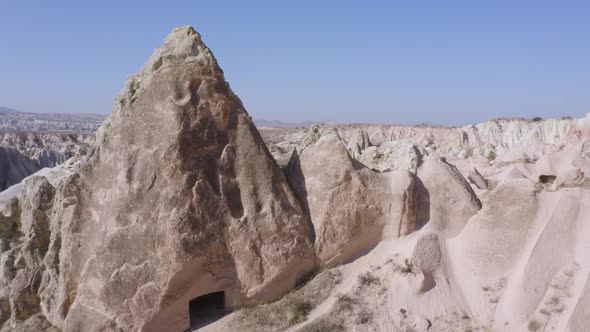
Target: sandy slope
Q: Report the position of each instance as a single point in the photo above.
(519, 269)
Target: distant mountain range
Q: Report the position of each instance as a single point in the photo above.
(281, 124)
(4, 110)
(13, 120)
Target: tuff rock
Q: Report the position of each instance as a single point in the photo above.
(352, 208)
(180, 198)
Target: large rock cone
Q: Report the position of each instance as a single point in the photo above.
(181, 198)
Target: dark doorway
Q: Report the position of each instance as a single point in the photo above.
(547, 178)
(206, 309)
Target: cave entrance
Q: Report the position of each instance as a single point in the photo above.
(206, 309)
(547, 178)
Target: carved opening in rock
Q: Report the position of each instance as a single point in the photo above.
(547, 178)
(206, 309)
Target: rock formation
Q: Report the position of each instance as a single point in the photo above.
(389, 156)
(49, 158)
(181, 198)
(505, 253)
(351, 207)
(48, 149)
(358, 143)
(477, 179)
(14, 167)
(180, 212)
(13, 120)
(485, 141)
(445, 200)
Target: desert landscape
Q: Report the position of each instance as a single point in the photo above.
(181, 214)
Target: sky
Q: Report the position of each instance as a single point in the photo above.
(403, 62)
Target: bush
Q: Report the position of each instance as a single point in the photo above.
(409, 266)
(535, 325)
(344, 303)
(368, 279)
(297, 310)
(293, 308)
(363, 317)
(537, 119)
(323, 324)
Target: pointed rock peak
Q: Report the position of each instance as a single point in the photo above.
(315, 133)
(184, 44)
(180, 162)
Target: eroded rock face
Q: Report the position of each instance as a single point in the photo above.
(181, 198)
(498, 138)
(351, 207)
(48, 149)
(445, 199)
(358, 143)
(31, 242)
(14, 167)
(389, 156)
(184, 186)
(44, 149)
(477, 179)
(49, 158)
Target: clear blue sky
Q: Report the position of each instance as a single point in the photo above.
(447, 62)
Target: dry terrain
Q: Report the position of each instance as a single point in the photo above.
(183, 215)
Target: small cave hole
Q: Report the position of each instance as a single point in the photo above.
(547, 178)
(206, 309)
